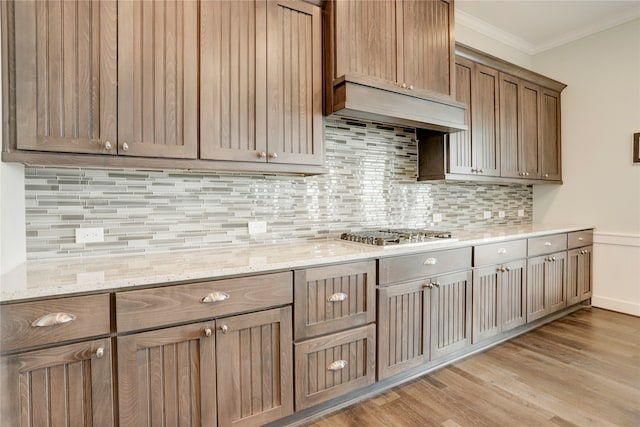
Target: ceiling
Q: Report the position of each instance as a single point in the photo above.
(536, 26)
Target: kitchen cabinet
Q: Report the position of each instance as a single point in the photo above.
(334, 329)
(56, 362)
(550, 154)
(546, 284)
(261, 82)
(579, 266)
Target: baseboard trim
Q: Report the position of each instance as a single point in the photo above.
(616, 305)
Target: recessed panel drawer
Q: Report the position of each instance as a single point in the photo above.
(182, 303)
(580, 238)
(334, 297)
(546, 244)
(426, 264)
(36, 323)
(496, 253)
(334, 365)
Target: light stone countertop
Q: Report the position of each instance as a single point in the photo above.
(65, 276)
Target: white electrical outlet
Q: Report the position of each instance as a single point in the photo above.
(520, 212)
(257, 227)
(487, 214)
(89, 235)
(437, 217)
(500, 214)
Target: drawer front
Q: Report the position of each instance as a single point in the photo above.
(547, 244)
(580, 238)
(335, 297)
(334, 365)
(497, 253)
(181, 303)
(427, 264)
(37, 323)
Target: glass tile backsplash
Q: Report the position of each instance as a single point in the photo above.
(371, 183)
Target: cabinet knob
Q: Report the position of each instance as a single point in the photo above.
(107, 145)
(553, 259)
(410, 87)
(436, 284)
(224, 329)
(545, 175)
(428, 285)
(430, 261)
(403, 85)
(53, 319)
(208, 332)
(100, 353)
(125, 146)
(262, 155)
(337, 297)
(273, 155)
(500, 269)
(507, 269)
(526, 174)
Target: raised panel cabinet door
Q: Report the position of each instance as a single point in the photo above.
(529, 129)
(510, 134)
(460, 149)
(487, 302)
(158, 78)
(335, 297)
(537, 304)
(486, 121)
(549, 145)
(167, 377)
(254, 367)
(58, 386)
(556, 283)
(233, 80)
(403, 327)
(427, 53)
(66, 76)
(513, 289)
(450, 313)
(365, 40)
(294, 83)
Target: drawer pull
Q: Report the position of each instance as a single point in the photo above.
(547, 243)
(581, 238)
(100, 353)
(502, 251)
(215, 297)
(338, 365)
(338, 296)
(430, 261)
(53, 319)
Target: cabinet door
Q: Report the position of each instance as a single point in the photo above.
(294, 83)
(585, 273)
(529, 130)
(167, 377)
(556, 284)
(427, 54)
(366, 40)
(513, 289)
(450, 314)
(158, 78)
(510, 111)
(460, 154)
(255, 368)
(67, 385)
(233, 80)
(66, 77)
(546, 285)
(487, 298)
(485, 134)
(549, 145)
(403, 327)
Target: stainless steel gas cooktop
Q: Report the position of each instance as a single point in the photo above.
(399, 236)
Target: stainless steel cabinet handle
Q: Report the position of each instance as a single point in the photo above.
(100, 353)
(338, 296)
(107, 145)
(53, 319)
(208, 332)
(337, 365)
(215, 297)
(224, 329)
(125, 146)
(430, 261)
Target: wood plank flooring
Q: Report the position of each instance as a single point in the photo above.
(581, 370)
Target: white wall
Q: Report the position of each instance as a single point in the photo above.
(477, 40)
(600, 113)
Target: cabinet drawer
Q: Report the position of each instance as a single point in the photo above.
(182, 303)
(334, 365)
(496, 253)
(332, 298)
(427, 264)
(580, 238)
(547, 244)
(36, 323)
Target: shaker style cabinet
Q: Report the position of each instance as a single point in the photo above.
(261, 82)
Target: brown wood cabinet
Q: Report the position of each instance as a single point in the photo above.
(550, 153)
(579, 274)
(546, 284)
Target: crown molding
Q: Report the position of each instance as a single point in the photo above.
(483, 27)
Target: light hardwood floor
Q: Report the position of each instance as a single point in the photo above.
(581, 370)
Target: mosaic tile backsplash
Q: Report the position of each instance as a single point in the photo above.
(371, 183)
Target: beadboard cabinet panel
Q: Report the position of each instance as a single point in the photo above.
(460, 148)
(158, 78)
(66, 76)
(579, 274)
(549, 149)
(510, 111)
(486, 128)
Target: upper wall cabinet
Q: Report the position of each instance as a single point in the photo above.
(392, 60)
(514, 126)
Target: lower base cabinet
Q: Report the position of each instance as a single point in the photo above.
(579, 277)
(546, 285)
(334, 365)
(58, 386)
